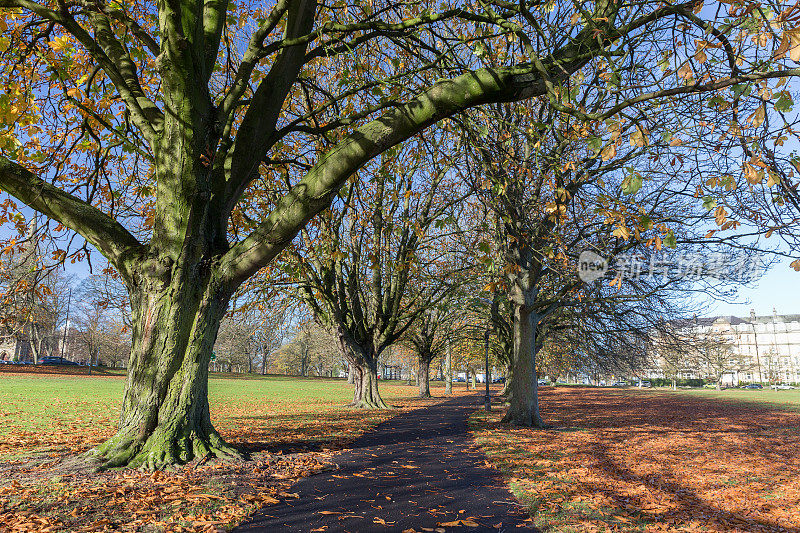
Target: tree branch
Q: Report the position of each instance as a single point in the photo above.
(315, 191)
(99, 229)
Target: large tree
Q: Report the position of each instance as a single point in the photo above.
(179, 138)
(555, 190)
(369, 267)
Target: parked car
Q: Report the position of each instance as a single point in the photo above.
(4, 362)
(646, 384)
(785, 387)
(620, 384)
(498, 379)
(57, 361)
(543, 382)
(754, 386)
(459, 380)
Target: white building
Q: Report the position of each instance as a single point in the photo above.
(764, 349)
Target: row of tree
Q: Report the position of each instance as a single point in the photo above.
(203, 147)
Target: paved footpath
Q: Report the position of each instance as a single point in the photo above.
(413, 472)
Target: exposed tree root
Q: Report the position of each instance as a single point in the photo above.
(369, 404)
(162, 450)
(528, 420)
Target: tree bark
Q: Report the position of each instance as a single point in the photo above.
(165, 416)
(524, 401)
(423, 377)
(364, 365)
(507, 388)
(263, 361)
(365, 393)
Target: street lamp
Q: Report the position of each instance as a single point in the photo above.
(487, 399)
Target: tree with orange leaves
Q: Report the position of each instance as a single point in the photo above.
(180, 139)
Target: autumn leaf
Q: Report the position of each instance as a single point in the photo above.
(685, 72)
(791, 38)
(758, 117)
(608, 152)
(639, 137)
(751, 174)
(701, 56)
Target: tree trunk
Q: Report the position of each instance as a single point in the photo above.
(165, 414)
(448, 366)
(506, 392)
(263, 360)
(365, 393)
(350, 374)
(524, 401)
(674, 384)
(423, 377)
(364, 363)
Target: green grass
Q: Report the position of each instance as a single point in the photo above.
(288, 425)
(788, 400)
(36, 402)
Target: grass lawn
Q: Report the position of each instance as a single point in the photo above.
(781, 399)
(631, 460)
(288, 425)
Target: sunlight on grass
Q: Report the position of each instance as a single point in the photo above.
(289, 426)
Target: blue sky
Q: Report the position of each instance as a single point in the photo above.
(778, 288)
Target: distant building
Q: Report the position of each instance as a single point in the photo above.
(764, 349)
(13, 347)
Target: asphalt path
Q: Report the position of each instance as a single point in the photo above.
(418, 471)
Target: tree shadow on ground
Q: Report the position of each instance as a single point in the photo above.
(313, 432)
(663, 459)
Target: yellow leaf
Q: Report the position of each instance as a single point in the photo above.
(621, 232)
(772, 179)
(701, 57)
(757, 118)
(720, 215)
(685, 72)
(638, 137)
(608, 152)
(795, 265)
(751, 174)
(59, 43)
(794, 43)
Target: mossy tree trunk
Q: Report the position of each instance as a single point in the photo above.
(363, 363)
(506, 391)
(165, 415)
